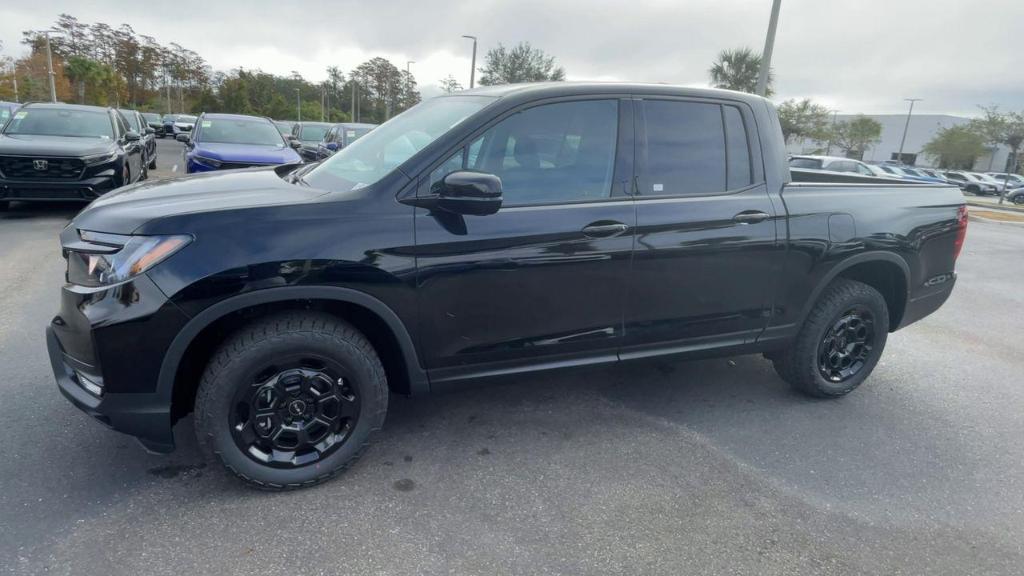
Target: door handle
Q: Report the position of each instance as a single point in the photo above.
(750, 217)
(604, 229)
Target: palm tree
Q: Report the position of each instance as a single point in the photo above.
(737, 70)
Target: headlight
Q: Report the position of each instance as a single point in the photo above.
(100, 158)
(107, 259)
(207, 161)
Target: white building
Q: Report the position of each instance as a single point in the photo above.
(923, 127)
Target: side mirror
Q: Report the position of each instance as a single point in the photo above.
(150, 130)
(471, 193)
(184, 138)
(295, 143)
(132, 136)
(332, 146)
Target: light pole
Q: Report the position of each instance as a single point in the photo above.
(906, 126)
(49, 64)
(831, 134)
(766, 54)
(472, 66)
(14, 77)
(298, 105)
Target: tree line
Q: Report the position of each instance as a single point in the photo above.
(803, 119)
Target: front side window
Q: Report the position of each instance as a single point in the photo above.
(552, 153)
(685, 149)
(132, 120)
(383, 149)
(862, 169)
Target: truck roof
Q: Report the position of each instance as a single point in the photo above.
(555, 89)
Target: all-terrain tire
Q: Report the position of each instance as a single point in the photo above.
(799, 364)
(259, 343)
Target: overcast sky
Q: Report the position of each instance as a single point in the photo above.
(855, 56)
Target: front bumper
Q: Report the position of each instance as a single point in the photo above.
(86, 190)
(145, 416)
(106, 347)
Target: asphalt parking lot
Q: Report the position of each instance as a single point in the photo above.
(664, 467)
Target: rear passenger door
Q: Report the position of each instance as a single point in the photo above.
(706, 240)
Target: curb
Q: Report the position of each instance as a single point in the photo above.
(994, 206)
(977, 218)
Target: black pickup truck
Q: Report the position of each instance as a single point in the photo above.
(497, 231)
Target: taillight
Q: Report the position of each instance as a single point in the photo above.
(961, 231)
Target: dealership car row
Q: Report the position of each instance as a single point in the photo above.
(57, 151)
(977, 183)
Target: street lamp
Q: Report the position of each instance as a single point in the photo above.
(298, 106)
(769, 45)
(472, 66)
(906, 126)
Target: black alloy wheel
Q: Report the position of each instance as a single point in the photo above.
(296, 411)
(846, 345)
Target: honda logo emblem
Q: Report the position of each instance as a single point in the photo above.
(40, 164)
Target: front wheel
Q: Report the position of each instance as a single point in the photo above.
(291, 400)
(840, 342)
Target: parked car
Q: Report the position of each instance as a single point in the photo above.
(339, 136)
(937, 175)
(498, 231)
(66, 152)
(137, 123)
(183, 124)
(228, 141)
(168, 122)
(970, 182)
(284, 127)
(1011, 180)
(913, 173)
(154, 121)
(309, 135)
(832, 164)
(6, 111)
(1015, 195)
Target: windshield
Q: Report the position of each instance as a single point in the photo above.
(313, 132)
(169, 117)
(61, 122)
(186, 119)
(150, 117)
(382, 149)
(353, 134)
(284, 127)
(132, 119)
(239, 131)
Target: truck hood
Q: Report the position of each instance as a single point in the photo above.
(70, 146)
(127, 209)
(252, 153)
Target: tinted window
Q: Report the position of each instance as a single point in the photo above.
(313, 133)
(737, 149)
(805, 163)
(61, 122)
(685, 148)
(132, 120)
(552, 153)
(238, 131)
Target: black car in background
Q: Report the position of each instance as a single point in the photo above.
(154, 121)
(66, 152)
(285, 128)
(339, 136)
(309, 135)
(168, 124)
(138, 123)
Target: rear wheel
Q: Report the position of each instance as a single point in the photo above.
(840, 342)
(152, 163)
(291, 400)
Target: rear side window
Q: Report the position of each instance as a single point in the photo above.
(685, 149)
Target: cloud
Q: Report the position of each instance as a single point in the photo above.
(863, 56)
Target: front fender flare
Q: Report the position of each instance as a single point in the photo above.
(418, 382)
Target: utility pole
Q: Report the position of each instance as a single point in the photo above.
(14, 76)
(327, 97)
(766, 54)
(828, 149)
(323, 92)
(906, 126)
(170, 108)
(352, 111)
(298, 105)
(49, 68)
(472, 66)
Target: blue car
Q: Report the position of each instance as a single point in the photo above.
(226, 141)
